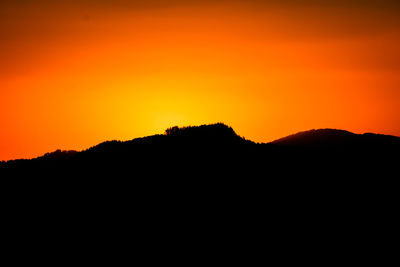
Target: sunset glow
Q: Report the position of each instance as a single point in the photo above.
(76, 73)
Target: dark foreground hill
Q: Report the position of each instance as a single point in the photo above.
(317, 196)
(216, 149)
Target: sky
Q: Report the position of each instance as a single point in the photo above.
(76, 73)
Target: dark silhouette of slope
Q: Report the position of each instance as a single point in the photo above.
(202, 146)
(207, 183)
(217, 148)
(334, 140)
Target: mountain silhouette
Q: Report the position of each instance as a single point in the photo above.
(216, 149)
(209, 182)
(333, 139)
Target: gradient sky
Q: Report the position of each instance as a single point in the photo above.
(76, 73)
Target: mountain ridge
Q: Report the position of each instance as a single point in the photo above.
(189, 165)
(221, 134)
(327, 137)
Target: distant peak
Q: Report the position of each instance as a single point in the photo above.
(324, 131)
(316, 136)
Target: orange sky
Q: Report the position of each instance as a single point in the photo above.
(76, 73)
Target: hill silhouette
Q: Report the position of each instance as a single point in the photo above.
(216, 148)
(333, 140)
(319, 186)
